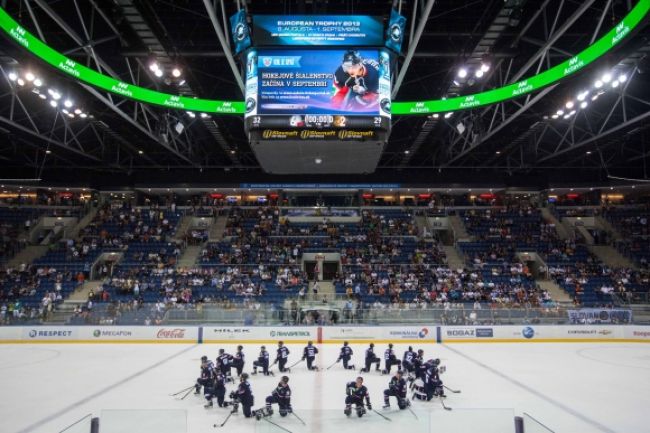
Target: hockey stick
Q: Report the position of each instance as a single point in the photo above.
(411, 410)
(455, 391)
(443, 404)
(384, 417)
(278, 426)
(181, 391)
(294, 364)
(299, 419)
(335, 362)
(186, 394)
(224, 421)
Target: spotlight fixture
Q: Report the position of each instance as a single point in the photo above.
(607, 77)
(153, 66)
(569, 105)
(462, 72)
(622, 78)
(67, 103)
(140, 152)
(589, 152)
(485, 67)
(555, 116)
(176, 72)
(158, 73)
(560, 112)
(204, 115)
(83, 115)
(615, 84)
(77, 111)
(13, 76)
(38, 82)
(53, 103)
(598, 84)
(318, 160)
(20, 82)
(448, 115)
(582, 95)
(406, 152)
(479, 73)
(583, 104)
(29, 76)
(435, 115)
(191, 114)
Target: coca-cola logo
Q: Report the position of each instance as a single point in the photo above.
(171, 333)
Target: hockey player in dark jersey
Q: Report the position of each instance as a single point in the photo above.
(238, 360)
(309, 353)
(371, 358)
(356, 392)
(396, 388)
(430, 385)
(418, 363)
(282, 357)
(224, 361)
(408, 361)
(390, 359)
(280, 395)
(243, 395)
(216, 388)
(262, 362)
(207, 368)
(345, 356)
(356, 82)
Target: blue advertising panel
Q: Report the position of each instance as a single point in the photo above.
(395, 31)
(318, 30)
(348, 82)
(241, 36)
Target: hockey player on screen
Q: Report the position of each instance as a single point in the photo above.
(397, 389)
(282, 357)
(280, 395)
(262, 362)
(309, 353)
(356, 83)
(207, 368)
(390, 359)
(238, 360)
(356, 392)
(345, 356)
(371, 358)
(215, 388)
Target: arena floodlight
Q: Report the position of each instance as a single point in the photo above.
(176, 72)
(560, 112)
(77, 111)
(607, 77)
(67, 103)
(13, 76)
(53, 103)
(204, 115)
(462, 72)
(569, 104)
(83, 115)
(598, 84)
(555, 116)
(38, 82)
(29, 76)
(158, 73)
(582, 95)
(622, 78)
(485, 67)
(615, 83)
(479, 73)
(20, 82)
(153, 66)
(448, 115)
(42, 96)
(584, 104)
(191, 114)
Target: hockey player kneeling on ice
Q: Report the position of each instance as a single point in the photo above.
(238, 360)
(207, 369)
(429, 385)
(345, 356)
(397, 389)
(215, 388)
(408, 361)
(356, 393)
(390, 359)
(310, 355)
(280, 395)
(262, 362)
(244, 395)
(282, 357)
(224, 361)
(371, 358)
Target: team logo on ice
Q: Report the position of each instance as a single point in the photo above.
(528, 332)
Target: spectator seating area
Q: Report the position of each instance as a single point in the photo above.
(632, 224)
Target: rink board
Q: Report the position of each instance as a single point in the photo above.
(324, 335)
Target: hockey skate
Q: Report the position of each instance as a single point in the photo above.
(348, 410)
(208, 405)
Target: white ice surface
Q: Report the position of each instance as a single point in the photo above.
(569, 387)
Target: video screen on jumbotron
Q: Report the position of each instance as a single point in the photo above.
(320, 82)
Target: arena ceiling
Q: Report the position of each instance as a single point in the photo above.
(515, 142)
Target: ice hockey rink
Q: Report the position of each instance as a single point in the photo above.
(569, 387)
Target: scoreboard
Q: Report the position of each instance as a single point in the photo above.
(318, 87)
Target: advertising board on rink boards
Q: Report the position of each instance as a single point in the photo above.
(262, 334)
(379, 334)
(100, 334)
(539, 334)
